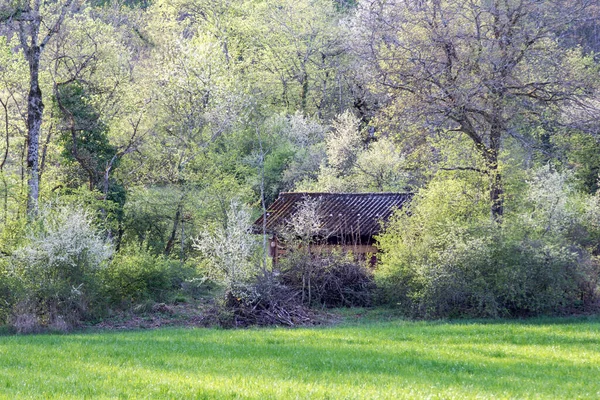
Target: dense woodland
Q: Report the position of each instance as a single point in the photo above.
(139, 138)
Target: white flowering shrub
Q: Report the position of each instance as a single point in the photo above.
(305, 224)
(230, 250)
(344, 142)
(552, 200)
(58, 267)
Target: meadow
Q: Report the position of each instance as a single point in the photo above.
(369, 358)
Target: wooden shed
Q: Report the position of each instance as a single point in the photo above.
(346, 220)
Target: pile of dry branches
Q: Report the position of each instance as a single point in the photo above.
(328, 280)
(270, 303)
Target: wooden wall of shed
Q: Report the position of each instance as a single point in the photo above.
(362, 252)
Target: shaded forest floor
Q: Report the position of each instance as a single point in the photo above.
(202, 313)
(199, 313)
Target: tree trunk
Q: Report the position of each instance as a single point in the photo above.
(496, 188)
(496, 192)
(30, 22)
(35, 110)
(182, 255)
(304, 92)
(45, 149)
(171, 241)
(7, 131)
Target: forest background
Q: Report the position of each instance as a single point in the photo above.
(139, 138)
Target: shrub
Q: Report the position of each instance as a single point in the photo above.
(230, 251)
(447, 258)
(501, 275)
(58, 268)
(137, 275)
(9, 291)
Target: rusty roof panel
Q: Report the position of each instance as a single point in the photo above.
(340, 213)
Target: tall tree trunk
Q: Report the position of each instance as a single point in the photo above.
(35, 110)
(7, 132)
(182, 255)
(30, 20)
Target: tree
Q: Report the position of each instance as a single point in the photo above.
(289, 53)
(13, 78)
(485, 70)
(37, 23)
(97, 113)
(358, 162)
(298, 50)
(185, 161)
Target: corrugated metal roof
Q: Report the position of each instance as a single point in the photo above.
(340, 213)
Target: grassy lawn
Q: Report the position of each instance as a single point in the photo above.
(543, 358)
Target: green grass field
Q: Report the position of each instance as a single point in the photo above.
(543, 358)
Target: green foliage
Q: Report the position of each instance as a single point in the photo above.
(282, 151)
(152, 212)
(274, 165)
(84, 136)
(294, 55)
(583, 151)
(445, 257)
(58, 268)
(10, 291)
(136, 275)
(149, 214)
(13, 235)
(106, 213)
